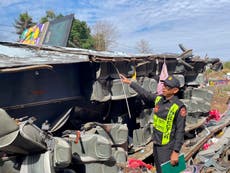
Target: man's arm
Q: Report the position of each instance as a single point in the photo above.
(145, 95)
(180, 128)
(179, 136)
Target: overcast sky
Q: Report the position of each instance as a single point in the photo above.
(201, 25)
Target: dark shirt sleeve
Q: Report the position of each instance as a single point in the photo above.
(145, 95)
(180, 129)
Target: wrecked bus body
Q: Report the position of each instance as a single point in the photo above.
(66, 110)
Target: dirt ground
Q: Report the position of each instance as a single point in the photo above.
(221, 92)
(220, 99)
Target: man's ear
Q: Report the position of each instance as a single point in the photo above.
(175, 90)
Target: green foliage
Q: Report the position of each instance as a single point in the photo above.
(80, 35)
(227, 65)
(23, 22)
(50, 15)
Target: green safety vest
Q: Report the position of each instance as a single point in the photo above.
(165, 125)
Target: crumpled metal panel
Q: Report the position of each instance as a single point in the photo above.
(148, 83)
(42, 164)
(195, 80)
(18, 56)
(121, 91)
(99, 168)
(202, 93)
(100, 91)
(213, 156)
(119, 132)
(142, 136)
(92, 147)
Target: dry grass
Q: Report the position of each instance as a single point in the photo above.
(221, 92)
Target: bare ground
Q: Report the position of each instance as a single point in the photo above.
(221, 92)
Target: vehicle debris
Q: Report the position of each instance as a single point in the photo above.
(66, 109)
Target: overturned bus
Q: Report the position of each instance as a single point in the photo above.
(66, 109)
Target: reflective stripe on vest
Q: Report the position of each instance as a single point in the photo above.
(165, 126)
(157, 99)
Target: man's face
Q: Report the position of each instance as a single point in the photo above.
(168, 91)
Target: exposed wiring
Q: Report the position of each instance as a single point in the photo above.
(126, 99)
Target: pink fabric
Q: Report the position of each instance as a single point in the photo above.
(214, 114)
(205, 146)
(163, 76)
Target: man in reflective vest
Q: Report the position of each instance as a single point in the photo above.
(168, 120)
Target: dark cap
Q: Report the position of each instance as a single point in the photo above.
(172, 82)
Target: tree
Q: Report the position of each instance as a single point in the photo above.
(227, 65)
(23, 22)
(80, 35)
(143, 46)
(50, 15)
(104, 34)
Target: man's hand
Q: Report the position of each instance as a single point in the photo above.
(124, 79)
(174, 158)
